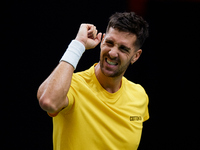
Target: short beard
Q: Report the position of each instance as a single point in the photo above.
(117, 73)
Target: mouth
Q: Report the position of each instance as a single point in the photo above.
(111, 62)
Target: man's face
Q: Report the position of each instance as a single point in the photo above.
(117, 52)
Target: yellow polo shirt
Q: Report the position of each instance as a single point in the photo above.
(98, 120)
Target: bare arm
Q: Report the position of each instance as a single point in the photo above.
(52, 93)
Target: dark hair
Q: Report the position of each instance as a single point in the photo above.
(130, 22)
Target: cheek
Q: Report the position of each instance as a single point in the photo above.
(104, 49)
(102, 46)
(125, 58)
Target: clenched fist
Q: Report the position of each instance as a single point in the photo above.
(88, 36)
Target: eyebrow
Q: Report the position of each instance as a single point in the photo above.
(109, 41)
(124, 47)
(121, 46)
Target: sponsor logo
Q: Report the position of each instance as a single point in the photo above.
(135, 118)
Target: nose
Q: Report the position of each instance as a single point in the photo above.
(113, 53)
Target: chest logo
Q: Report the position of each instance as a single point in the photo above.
(135, 118)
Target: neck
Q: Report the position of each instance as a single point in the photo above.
(110, 84)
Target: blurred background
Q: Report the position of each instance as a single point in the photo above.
(37, 33)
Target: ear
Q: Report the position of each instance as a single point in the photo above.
(103, 37)
(136, 56)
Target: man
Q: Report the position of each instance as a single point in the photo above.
(98, 108)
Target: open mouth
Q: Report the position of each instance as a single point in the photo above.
(111, 63)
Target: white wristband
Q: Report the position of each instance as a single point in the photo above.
(73, 53)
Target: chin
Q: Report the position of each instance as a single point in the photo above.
(111, 73)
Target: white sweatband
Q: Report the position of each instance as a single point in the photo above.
(73, 53)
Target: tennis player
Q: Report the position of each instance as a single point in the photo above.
(98, 109)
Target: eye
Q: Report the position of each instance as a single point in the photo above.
(124, 49)
(109, 43)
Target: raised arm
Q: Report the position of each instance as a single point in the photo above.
(52, 93)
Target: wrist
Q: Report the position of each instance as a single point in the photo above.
(81, 41)
(73, 53)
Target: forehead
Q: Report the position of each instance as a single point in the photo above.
(121, 37)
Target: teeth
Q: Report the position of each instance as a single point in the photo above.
(111, 63)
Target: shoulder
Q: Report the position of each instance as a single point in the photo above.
(135, 92)
(129, 85)
(82, 77)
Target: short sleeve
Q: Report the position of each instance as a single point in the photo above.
(146, 114)
(71, 102)
(70, 97)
